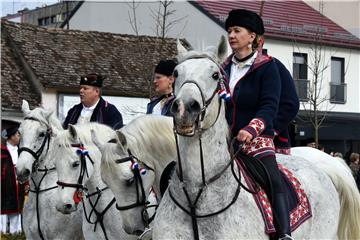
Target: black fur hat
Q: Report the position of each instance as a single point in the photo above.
(165, 67)
(247, 19)
(92, 79)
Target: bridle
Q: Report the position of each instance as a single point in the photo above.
(80, 188)
(199, 130)
(83, 155)
(35, 167)
(140, 190)
(36, 155)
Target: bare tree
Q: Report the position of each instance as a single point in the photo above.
(317, 106)
(132, 16)
(162, 17)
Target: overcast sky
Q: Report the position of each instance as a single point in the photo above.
(12, 6)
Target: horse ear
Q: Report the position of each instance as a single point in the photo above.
(96, 140)
(222, 50)
(180, 48)
(72, 131)
(25, 107)
(122, 138)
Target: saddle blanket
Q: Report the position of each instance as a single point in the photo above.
(298, 201)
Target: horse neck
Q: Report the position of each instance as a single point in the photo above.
(94, 180)
(214, 148)
(157, 159)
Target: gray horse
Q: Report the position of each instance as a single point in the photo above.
(41, 220)
(210, 186)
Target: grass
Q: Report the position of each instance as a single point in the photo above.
(8, 236)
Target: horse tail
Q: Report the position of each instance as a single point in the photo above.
(349, 196)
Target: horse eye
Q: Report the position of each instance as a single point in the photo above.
(42, 134)
(76, 164)
(215, 76)
(129, 182)
(176, 74)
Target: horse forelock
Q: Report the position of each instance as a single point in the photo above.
(196, 55)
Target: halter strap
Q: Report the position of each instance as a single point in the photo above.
(83, 169)
(36, 155)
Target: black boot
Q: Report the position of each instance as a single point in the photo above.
(281, 216)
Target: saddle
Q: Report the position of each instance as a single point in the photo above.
(299, 205)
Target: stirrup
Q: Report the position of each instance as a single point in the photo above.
(286, 237)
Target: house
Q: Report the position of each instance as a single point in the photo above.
(49, 16)
(293, 30)
(43, 66)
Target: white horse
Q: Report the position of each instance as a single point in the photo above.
(40, 218)
(205, 185)
(151, 140)
(77, 162)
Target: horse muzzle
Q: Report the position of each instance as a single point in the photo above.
(66, 208)
(186, 115)
(23, 176)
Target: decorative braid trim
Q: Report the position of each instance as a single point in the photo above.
(255, 127)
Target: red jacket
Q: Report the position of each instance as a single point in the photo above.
(12, 193)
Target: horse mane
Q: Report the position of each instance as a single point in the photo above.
(83, 132)
(151, 134)
(45, 116)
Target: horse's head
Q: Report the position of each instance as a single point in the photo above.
(74, 156)
(36, 130)
(198, 80)
(128, 178)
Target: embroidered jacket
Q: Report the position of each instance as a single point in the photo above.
(104, 113)
(165, 110)
(255, 99)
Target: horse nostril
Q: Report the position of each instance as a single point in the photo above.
(67, 206)
(174, 107)
(194, 106)
(26, 172)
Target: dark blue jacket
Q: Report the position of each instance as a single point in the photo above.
(104, 113)
(289, 102)
(165, 111)
(288, 107)
(256, 95)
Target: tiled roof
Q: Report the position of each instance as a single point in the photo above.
(14, 86)
(294, 20)
(59, 57)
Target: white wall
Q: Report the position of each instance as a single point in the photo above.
(114, 17)
(284, 52)
(49, 100)
(129, 107)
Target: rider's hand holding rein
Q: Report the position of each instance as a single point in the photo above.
(244, 136)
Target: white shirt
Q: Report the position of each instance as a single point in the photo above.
(86, 113)
(13, 152)
(239, 69)
(157, 109)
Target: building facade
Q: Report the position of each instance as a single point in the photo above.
(294, 34)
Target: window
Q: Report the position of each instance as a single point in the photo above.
(46, 21)
(337, 83)
(53, 19)
(300, 75)
(40, 21)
